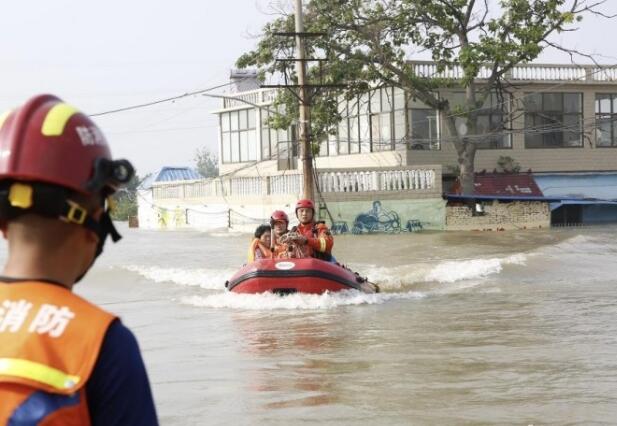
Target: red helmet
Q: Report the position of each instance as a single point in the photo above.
(279, 215)
(51, 142)
(48, 147)
(307, 204)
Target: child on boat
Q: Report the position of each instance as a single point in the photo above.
(260, 246)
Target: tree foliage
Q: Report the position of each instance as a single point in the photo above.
(125, 200)
(207, 163)
(369, 44)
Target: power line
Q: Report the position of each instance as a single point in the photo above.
(160, 101)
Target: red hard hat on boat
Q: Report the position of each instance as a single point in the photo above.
(305, 203)
(279, 215)
(49, 141)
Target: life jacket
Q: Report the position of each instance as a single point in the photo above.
(257, 244)
(319, 239)
(50, 340)
(280, 251)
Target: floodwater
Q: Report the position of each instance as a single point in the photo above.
(471, 328)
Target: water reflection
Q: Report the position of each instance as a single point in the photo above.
(291, 357)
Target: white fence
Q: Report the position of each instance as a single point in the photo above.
(329, 181)
(526, 72)
(286, 184)
(387, 180)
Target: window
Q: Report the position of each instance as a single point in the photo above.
(354, 126)
(287, 148)
(339, 143)
(606, 120)
(492, 119)
(423, 132)
(332, 144)
(381, 119)
(380, 132)
(365, 132)
(268, 137)
(399, 119)
(423, 129)
(553, 120)
(238, 137)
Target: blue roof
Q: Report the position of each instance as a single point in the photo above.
(170, 174)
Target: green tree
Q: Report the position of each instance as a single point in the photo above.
(125, 200)
(207, 163)
(369, 42)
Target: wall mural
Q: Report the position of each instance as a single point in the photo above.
(377, 219)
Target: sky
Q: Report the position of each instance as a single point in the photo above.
(101, 56)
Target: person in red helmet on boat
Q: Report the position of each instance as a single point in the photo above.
(282, 247)
(63, 360)
(260, 247)
(314, 236)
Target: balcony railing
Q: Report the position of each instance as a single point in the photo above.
(527, 72)
(521, 73)
(330, 181)
(386, 180)
(253, 97)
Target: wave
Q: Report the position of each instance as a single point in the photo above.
(449, 271)
(388, 278)
(211, 279)
(585, 244)
(298, 301)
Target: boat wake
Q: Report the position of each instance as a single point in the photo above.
(210, 279)
(395, 283)
(442, 272)
(415, 280)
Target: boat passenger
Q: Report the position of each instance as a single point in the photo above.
(260, 246)
(279, 221)
(314, 236)
(63, 360)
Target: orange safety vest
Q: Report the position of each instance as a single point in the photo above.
(280, 251)
(50, 340)
(256, 244)
(318, 236)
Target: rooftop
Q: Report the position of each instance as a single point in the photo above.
(520, 74)
(503, 184)
(170, 174)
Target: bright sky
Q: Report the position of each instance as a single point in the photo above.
(100, 56)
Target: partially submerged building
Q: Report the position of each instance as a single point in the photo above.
(558, 122)
(500, 201)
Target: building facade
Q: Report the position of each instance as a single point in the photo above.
(556, 118)
(391, 159)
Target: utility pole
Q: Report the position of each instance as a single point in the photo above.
(304, 96)
(304, 107)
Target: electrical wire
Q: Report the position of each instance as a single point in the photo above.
(164, 100)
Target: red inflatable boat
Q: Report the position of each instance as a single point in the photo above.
(286, 276)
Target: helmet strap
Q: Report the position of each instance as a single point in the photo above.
(54, 202)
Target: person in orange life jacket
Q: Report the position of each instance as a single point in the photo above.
(260, 246)
(64, 360)
(283, 247)
(315, 236)
(279, 221)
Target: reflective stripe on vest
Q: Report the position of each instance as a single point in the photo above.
(322, 244)
(41, 373)
(40, 405)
